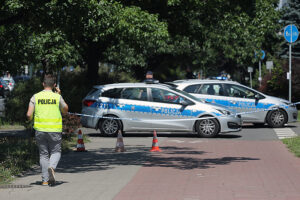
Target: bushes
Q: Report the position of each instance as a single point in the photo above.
(276, 84)
(17, 102)
(74, 87)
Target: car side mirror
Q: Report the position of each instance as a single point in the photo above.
(184, 103)
(256, 97)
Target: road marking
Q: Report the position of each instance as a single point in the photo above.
(182, 141)
(196, 141)
(177, 141)
(284, 133)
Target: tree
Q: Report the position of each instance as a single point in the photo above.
(93, 31)
(216, 34)
(211, 35)
(13, 40)
(106, 31)
(26, 41)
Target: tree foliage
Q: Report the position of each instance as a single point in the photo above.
(135, 35)
(216, 34)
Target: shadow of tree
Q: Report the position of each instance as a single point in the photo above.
(173, 135)
(172, 157)
(266, 126)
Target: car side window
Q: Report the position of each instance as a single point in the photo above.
(164, 96)
(212, 89)
(238, 91)
(134, 93)
(113, 93)
(192, 88)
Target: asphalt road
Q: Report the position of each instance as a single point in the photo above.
(102, 174)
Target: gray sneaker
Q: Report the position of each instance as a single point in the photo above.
(51, 176)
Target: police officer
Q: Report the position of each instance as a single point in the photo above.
(149, 78)
(46, 108)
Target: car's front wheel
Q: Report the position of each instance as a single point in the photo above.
(277, 118)
(110, 126)
(208, 128)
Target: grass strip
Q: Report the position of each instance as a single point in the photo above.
(5, 125)
(20, 154)
(293, 144)
(16, 155)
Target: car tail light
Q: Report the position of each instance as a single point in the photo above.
(88, 103)
(1, 86)
(10, 84)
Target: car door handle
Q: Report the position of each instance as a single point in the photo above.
(233, 102)
(156, 108)
(120, 105)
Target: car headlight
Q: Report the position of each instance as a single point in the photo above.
(289, 104)
(224, 112)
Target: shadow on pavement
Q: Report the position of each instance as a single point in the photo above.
(169, 135)
(266, 126)
(57, 183)
(172, 157)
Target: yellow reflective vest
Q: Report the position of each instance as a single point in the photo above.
(47, 115)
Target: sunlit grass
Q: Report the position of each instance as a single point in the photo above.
(4, 124)
(19, 154)
(16, 155)
(293, 144)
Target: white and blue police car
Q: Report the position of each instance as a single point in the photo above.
(136, 107)
(252, 105)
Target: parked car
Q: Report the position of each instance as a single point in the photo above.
(254, 106)
(10, 82)
(21, 78)
(4, 90)
(147, 106)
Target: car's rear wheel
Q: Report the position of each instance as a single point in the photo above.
(277, 118)
(110, 126)
(208, 128)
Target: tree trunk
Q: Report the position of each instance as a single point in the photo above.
(93, 57)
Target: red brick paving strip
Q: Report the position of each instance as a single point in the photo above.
(217, 170)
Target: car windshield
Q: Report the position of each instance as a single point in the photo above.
(188, 95)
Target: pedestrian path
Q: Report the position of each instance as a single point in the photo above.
(217, 170)
(283, 133)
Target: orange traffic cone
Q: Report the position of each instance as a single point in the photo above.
(120, 145)
(155, 143)
(80, 144)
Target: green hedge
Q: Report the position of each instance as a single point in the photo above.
(17, 102)
(74, 87)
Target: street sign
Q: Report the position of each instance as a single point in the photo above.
(26, 69)
(269, 64)
(250, 69)
(262, 54)
(291, 33)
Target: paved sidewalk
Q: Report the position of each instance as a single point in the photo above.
(217, 170)
(98, 174)
(186, 169)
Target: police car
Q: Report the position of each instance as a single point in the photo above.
(147, 107)
(254, 106)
